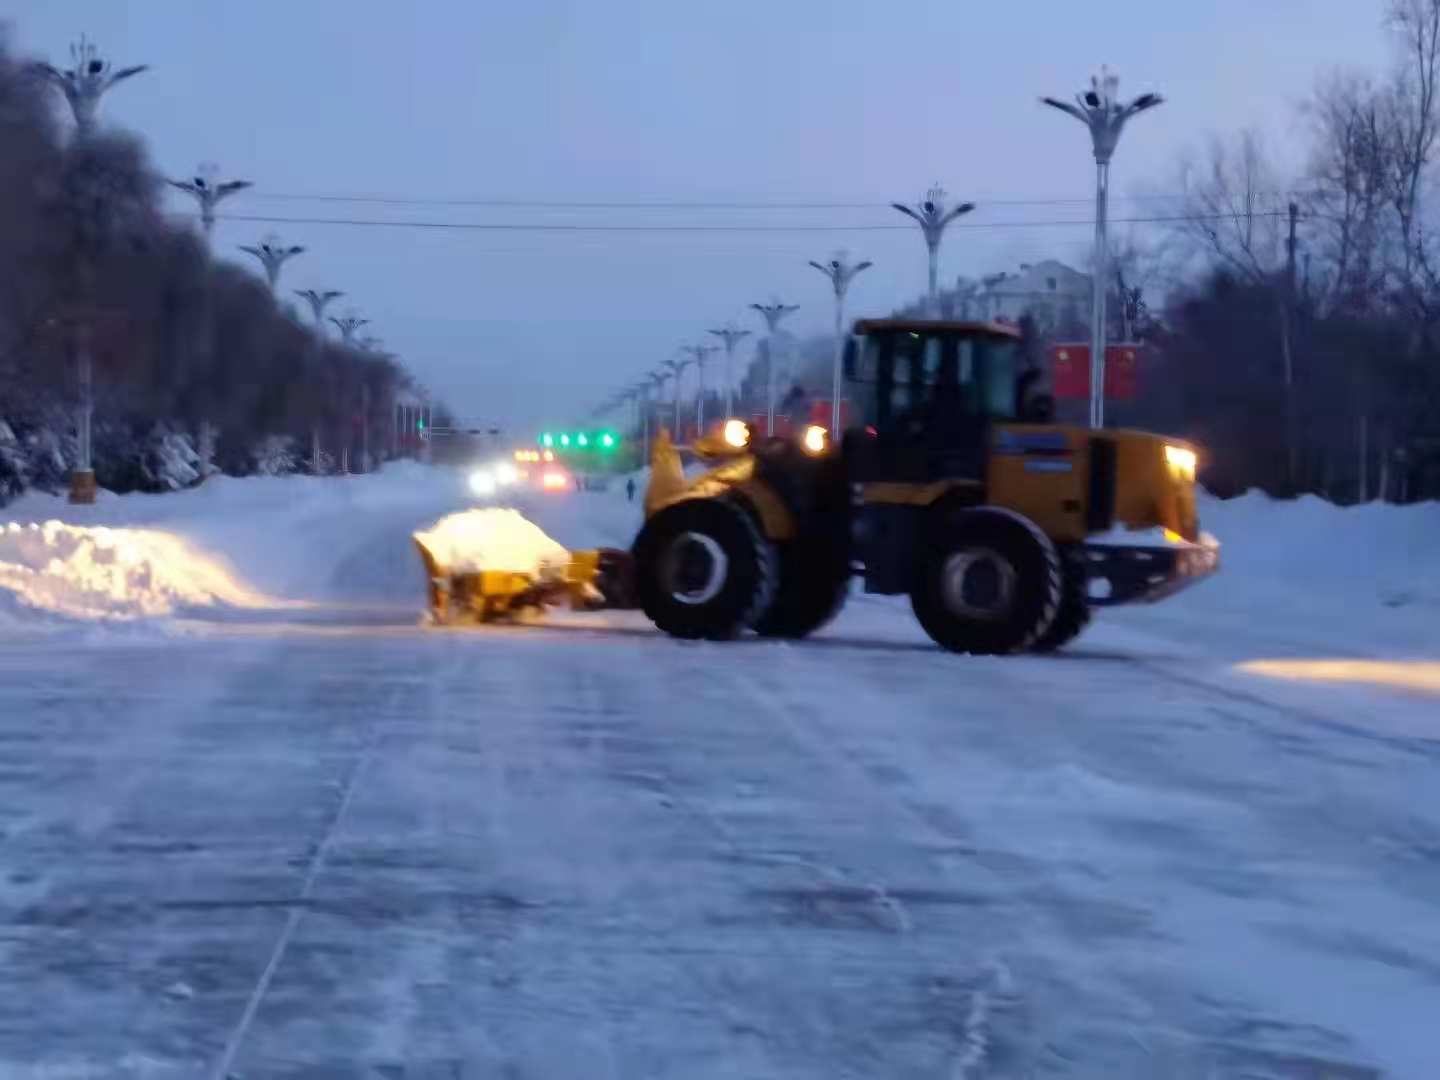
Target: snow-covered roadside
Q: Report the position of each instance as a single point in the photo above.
(258, 541)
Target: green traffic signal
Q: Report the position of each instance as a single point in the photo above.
(582, 440)
(564, 440)
(547, 439)
(607, 440)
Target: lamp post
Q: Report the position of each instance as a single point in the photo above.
(676, 369)
(934, 218)
(347, 324)
(1105, 116)
(207, 192)
(841, 272)
(272, 255)
(651, 385)
(83, 86)
(731, 336)
(699, 354)
(773, 312)
(318, 302)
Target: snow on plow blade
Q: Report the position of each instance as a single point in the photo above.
(493, 565)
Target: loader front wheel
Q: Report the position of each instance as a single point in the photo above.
(702, 569)
(811, 591)
(1073, 614)
(989, 583)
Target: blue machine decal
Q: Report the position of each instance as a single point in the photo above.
(1049, 466)
(1039, 443)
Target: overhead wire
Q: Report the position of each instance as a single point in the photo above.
(732, 227)
(503, 202)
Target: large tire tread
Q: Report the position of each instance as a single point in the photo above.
(1038, 572)
(750, 581)
(1073, 615)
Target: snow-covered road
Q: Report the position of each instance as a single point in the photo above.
(327, 842)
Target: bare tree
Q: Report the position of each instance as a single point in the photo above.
(1348, 182)
(1233, 206)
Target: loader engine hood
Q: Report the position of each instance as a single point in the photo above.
(1153, 484)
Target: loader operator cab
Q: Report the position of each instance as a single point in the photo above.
(927, 394)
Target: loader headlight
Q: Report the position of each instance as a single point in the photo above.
(815, 439)
(482, 483)
(1182, 459)
(737, 432)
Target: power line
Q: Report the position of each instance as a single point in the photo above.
(477, 226)
(684, 204)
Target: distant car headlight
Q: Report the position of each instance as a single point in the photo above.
(1182, 459)
(482, 482)
(505, 473)
(815, 438)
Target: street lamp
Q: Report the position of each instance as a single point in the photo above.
(934, 218)
(208, 192)
(773, 313)
(699, 354)
(731, 336)
(272, 255)
(347, 324)
(1104, 115)
(83, 86)
(675, 367)
(841, 272)
(318, 302)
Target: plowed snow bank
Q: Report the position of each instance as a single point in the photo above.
(103, 573)
(492, 539)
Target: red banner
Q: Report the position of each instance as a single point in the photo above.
(820, 414)
(1070, 371)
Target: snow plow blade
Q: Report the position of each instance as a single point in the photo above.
(1145, 574)
(590, 581)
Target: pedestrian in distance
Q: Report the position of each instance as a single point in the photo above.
(630, 489)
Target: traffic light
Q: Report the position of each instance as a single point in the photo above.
(547, 439)
(607, 440)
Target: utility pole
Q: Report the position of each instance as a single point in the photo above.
(318, 302)
(1105, 117)
(772, 312)
(272, 255)
(841, 272)
(84, 85)
(933, 219)
(699, 354)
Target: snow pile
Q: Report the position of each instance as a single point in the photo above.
(111, 574)
(492, 539)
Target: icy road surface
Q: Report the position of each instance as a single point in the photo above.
(331, 843)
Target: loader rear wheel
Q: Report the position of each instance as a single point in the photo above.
(811, 591)
(702, 569)
(989, 583)
(1073, 615)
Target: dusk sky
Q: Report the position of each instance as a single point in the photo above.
(641, 101)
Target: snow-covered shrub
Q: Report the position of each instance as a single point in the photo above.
(14, 474)
(171, 462)
(275, 456)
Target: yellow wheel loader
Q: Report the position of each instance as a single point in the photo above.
(953, 486)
